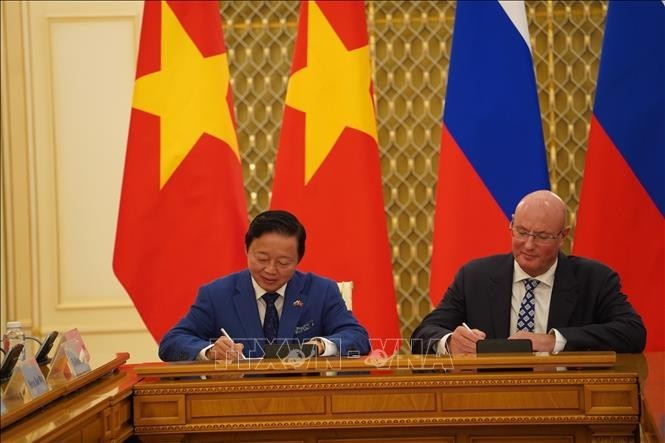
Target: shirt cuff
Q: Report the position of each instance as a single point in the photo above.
(202, 353)
(560, 341)
(329, 348)
(442, 346)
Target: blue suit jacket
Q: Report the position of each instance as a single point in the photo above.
(313, 307)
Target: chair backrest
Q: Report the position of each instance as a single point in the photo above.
(346, 288)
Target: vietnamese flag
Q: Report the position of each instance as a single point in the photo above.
(621, 218)
(327, 170)
(183, 214)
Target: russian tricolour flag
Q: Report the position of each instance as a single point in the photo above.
(620, 220)
(492, 150)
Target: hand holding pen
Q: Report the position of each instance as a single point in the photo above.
(225, 349)
(463, 339)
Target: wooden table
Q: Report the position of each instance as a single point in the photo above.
(93, 407)
(599, 397)
(565, 397)
(653, 397)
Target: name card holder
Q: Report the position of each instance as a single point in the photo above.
(26, 382)
(71, 360)
(75, 335)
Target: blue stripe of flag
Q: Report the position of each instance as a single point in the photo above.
(630, 97)
(491, 104)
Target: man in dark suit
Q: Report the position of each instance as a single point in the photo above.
(559, 302)
(268, 301)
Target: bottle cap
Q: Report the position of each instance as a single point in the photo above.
(14, 324)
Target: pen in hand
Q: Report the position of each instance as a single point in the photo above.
(242, 356)
(226, 334)
(463, 324)
(474, 332)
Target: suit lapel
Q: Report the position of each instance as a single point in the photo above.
(244, 300)
(291, 313)
(564, 294)
(500, 292)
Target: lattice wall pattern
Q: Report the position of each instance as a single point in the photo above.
(410, 46)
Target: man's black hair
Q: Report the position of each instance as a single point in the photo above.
(280, 222)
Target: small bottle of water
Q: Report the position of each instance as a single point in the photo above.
(15, 336)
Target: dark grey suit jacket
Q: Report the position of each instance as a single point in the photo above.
(587, 306)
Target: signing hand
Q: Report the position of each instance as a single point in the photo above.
(225, 349)
(463, 340)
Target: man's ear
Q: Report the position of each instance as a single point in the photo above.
(564, 234)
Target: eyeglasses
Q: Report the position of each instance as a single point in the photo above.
(540, 238)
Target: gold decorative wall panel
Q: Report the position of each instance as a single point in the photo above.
(410, 44)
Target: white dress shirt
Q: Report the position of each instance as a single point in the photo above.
(543, 296)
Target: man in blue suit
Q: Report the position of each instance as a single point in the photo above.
(268, 301)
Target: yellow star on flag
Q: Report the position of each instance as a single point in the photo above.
(333, 90)
(188, 94)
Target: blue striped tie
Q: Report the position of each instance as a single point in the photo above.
(526, 316)
(271, 320)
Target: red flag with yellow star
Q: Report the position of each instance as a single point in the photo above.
(183, 213)
(328, 171)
